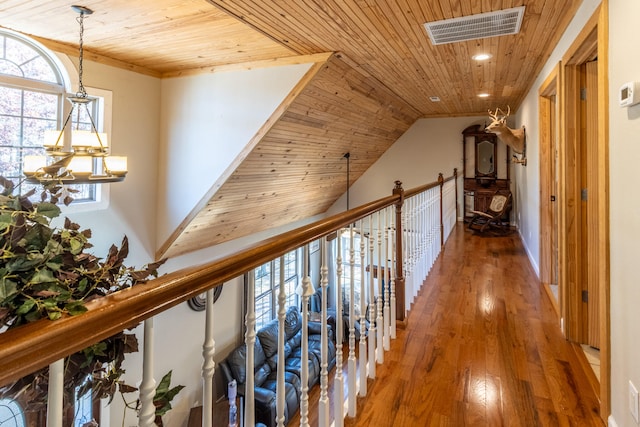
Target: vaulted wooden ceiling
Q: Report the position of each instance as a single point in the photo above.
(361, 100)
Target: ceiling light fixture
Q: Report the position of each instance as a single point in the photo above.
(483, 95)
(71, 157)
(481, 56)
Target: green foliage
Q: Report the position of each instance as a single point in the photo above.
(164, 395)
(47, 272)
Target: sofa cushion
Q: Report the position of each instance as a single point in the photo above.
(268, 335)
(295, 341)
(292, 401)
(315, 349)
(273, 360)
(237, 363)
(292, 322)
(294, 364)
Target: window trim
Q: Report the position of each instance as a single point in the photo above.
(274, 286)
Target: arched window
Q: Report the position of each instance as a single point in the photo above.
(11, 414)
(33, 100)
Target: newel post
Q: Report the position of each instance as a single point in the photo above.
(400, 291)
(441, 184)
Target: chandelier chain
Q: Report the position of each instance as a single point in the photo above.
(81, 90)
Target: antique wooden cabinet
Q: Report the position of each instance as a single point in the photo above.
(485, 167)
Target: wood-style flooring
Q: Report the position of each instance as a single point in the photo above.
(482, 347)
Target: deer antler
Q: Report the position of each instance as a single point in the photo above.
(503, 116)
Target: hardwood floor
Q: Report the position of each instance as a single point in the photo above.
(481, 347)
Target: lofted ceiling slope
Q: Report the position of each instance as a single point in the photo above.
(295, 167)
(360, 101)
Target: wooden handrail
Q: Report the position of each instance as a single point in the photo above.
(35, 345)
(421, 189)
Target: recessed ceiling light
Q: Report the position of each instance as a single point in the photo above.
(434, 98)
(483, 95)
(481, 56)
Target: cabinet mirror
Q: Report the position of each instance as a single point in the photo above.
(485, 159)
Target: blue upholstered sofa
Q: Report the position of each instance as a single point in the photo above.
(266, 360)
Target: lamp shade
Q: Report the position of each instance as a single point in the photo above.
(32, 164)
(310, 289)
(86, 140)
(53, 138)
(116, 165)
(81, 165)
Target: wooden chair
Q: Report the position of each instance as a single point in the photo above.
(492, 217)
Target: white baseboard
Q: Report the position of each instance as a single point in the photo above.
(532, 260)
(611, 422)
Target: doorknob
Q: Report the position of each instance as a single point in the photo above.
(553, 198)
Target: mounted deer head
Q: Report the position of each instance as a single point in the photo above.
(514, 138)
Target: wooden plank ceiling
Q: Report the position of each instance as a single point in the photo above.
(361, 101)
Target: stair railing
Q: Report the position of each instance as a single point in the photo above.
(401, 244)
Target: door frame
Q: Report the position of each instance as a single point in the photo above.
(592, 38)
(550, 129)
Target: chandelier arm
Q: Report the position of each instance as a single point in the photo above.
(93, 127)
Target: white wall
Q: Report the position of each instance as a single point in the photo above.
(624, 159)
(206, 120)
(428, 147)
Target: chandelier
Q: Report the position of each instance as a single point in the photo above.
(74, 156)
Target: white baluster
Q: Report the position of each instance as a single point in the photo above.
(280, 386)
(208, 364)
(409, 252)
(363, 327)
(436, 227)
(147, 414)
(351, 366)
(379, 320)
(250, 342)
(323, 405)
(427, 238)
(392, 274)
(55, 397)
(338, 382)
(428, 242)
(371, 306)
(385, 284)
(405, 254)
(307, 291)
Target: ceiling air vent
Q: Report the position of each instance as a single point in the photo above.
(480, 26)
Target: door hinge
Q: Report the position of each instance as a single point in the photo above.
(583, 94)
(585, 296)
(584, 195)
